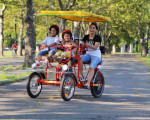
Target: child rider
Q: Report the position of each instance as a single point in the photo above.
(48, 43)
(67, 41)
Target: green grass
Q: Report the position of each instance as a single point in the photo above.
(10, 68)
(8, 54)
(5, 79)
(3, 76)
(7, 66)
(146, 60)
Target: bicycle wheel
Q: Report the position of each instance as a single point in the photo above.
(97, 91)
(67, 87)
(33, 88)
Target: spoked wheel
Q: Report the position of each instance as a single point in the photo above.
(33, 88)
(67, 87)
(98, 88)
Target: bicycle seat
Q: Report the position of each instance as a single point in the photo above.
(90, 62)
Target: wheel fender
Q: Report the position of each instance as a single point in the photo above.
(42, 75)
(96, 72)
(72, 76)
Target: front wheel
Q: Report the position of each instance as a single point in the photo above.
(34, 88)
(67, 87)
(98, 85)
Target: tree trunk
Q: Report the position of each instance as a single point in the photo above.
(108, 51)
(108, 45)
(1, 29)
(19, 52)
(131, 48)
(114, 49)
(144, 49)
(137, 46)
(30, 35)
(144, 40)
(147, 34)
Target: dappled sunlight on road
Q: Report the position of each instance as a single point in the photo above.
(126, 97)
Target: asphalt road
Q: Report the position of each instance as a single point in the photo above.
(126, 96)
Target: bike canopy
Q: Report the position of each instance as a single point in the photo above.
(76, 16)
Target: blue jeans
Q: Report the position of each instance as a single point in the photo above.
(93, 59)
(44, 52)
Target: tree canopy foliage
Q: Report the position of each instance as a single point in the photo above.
(128, 17)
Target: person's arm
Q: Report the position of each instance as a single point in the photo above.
(97, 44)
(74, 44)
(97, 39)
(44, 42)
(56, 41)
(50, 45)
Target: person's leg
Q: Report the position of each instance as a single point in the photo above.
(61, 57)
(90, 75)
(40, 54)
(94, 61)
(85, 58)
(51, 53)
(81, 67)
(15, 51)
(58, 53)
(39, 57)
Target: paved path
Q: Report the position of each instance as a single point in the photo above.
(126, 96)
(11, 61)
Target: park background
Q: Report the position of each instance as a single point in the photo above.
(128, 30)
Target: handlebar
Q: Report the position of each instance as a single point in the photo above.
(81, 48)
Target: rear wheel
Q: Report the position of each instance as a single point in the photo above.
(98, 85)
(34, 88)
(67, 87)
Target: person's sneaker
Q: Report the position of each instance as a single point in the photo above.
(35, 65)
(87, 85)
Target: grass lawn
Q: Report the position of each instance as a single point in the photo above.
(3, 76)
(12, 78)
(146, 60)
(8, 54)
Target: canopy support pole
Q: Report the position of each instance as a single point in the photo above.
(81, 27)
(72, 31)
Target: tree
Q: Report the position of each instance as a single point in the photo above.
(63, 7)
(30, 35)
(1, 29)
(13, 11)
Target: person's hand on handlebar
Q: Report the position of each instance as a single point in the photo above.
(87, 44)
(60, 46)
(43, 45)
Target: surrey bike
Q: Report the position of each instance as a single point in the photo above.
(66, 74)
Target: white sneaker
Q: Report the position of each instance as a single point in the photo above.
(35, 65)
